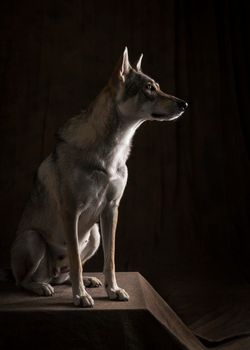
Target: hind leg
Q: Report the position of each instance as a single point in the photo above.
(29, 263)
(88, 251)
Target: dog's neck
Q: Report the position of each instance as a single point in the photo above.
(114, 131)
(109, 121)
(103, 132)
(118, 143)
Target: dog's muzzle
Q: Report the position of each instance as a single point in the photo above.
(177, 109)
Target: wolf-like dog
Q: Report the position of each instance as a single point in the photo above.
(78, 187)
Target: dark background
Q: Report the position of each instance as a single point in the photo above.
(187, 198)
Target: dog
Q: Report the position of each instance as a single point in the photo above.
(78, 187)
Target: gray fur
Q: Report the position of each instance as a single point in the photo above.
(78, 188)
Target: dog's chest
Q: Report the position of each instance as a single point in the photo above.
(103, 183)
(96, 189)
(112, 189)
(101, 191)
(116, 158)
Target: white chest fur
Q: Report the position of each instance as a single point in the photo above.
(119, 153)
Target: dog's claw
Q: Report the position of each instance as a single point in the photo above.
(92, 282)
(118, 294)
(84, 300)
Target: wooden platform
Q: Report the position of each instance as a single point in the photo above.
(144, 322)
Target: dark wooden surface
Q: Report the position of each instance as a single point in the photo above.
(142, 322)
(216, 315)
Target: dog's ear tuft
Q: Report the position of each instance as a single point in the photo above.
(138, 63)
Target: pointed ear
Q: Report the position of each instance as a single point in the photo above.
(138, 64)
(123, 67)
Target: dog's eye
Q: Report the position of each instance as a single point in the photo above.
(150, 87)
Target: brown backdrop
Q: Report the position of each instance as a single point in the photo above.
(187, 196)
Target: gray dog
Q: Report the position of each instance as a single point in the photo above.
(79, 186)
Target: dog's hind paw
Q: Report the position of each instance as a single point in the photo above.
(83, 300)
(47, 289)
(92, 282)
(39, 288)
(118, 294)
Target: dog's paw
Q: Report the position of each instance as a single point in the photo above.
(43, 289)
(92, 282)
(117, 294)
(84, 300)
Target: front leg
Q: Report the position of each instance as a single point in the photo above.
(109, 219)
(80, 296)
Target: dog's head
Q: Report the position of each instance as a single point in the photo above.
(139, 97)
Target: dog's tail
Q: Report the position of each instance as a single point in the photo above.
(6, 275)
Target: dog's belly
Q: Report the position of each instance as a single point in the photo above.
(59, 259)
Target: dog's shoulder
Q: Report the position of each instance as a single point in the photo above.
(78, 131)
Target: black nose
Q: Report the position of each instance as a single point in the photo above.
(182, 105)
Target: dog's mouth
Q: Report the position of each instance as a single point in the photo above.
(159, 115)
(169, 117)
